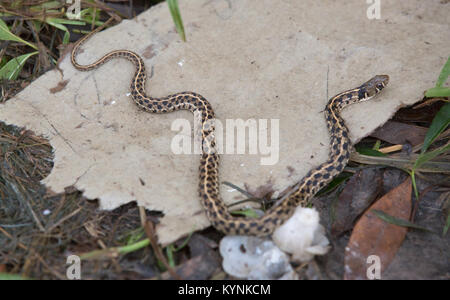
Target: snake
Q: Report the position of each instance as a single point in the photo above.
(208, 189)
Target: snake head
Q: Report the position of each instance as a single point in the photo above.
(375, 85)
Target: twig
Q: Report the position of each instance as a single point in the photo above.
(150, 232)
(63, 219)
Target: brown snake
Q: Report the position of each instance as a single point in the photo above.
(216, 211)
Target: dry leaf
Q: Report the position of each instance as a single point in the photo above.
(359, 192)
(400, 133)
(204, 262)
(373, 236)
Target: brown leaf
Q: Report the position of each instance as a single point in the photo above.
(359, 192)
(373, 236)
(197, 268)
(423, 114)
(400, 133)
(201, 245)
(204, 262)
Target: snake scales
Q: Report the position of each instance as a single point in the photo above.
(216, 211)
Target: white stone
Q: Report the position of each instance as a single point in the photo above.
(302, 235)
(254, 258)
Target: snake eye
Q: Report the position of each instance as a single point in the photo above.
(380, 86)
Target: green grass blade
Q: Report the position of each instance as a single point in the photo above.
(5, 276)
(369, 151)
(58, 23)
(424, 157)
(336, 182)
(66, 38)
(48, 5)
(7, 35)
(438, 125)
(438, 92)
(114, 251)
(396, 221)
(37, 25)
(176, 16)
(447, 225)
(55, 23)
(249, 213)
(444, 74)
(170, 258)
(89, 15)
(377, 145)
(185, 242)
(3, 62)
(11, 70)
(65, 21)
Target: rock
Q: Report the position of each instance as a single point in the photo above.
(302, 235)
(254, 258)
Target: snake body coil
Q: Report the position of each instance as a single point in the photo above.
(216, 210)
